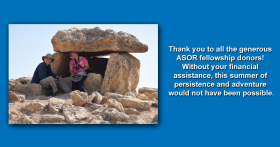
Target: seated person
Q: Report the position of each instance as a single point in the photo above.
(78, 65)
(44, 76)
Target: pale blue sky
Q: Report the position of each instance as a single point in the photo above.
(29, 42)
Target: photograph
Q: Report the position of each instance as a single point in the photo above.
(83, 73)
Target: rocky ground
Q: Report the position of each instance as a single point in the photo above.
(80, 108)
(111, 96)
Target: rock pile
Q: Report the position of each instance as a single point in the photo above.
(80, 108)
(110, 96)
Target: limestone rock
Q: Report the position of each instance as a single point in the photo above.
(152, 95)
(12, 84)
(80, 98)
(149, 92)
(129, 94)
(133, 117)
(155, 102)
(100, 122)
(122, 74)
(96, 40)
(131, 111)
(11, 116)
(28, 89)
(73, 113)
(114, 114)
(59, 60)
(55, 104)
(93, 82)
(24, 80)
(97, 111)
(149, 102)
(131, 102)
(15, 96)
(120, 122)
(92, 106)
(140, 121)
(155, 118)
(142, 96)
(25, 120)
(53, 118)
(34, 106)
(98, 97)
(92, 120)
(104, 99)
(113, 95)
(115, 104)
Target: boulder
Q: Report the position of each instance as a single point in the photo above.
(55, 104)
(73, 113)
(115, 104)
(149, 102)
(28, 89)
(104, 99)
(25, 120)
(149, 92)
(122, 74)
(131, 111)
(12, 84)
(97, 111)
(80, 98)
(96, 40)
(155, 118)
(11, 116)
(140, 121)
(142, 96)
(100, 122)
(114, 114)
(129, 94)
(15, 96)
(131, 102)
(98, 97)
(133, 117)
(113, 95)
(120, 122)
(52, 118)
(155, 102)
(34, 106)
(93, 82)
(24, 80)
(92, 106)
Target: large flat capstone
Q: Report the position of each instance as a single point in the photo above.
(96, 40)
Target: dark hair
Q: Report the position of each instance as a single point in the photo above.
(73, 52)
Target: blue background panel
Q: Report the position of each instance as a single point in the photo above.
(183, 121)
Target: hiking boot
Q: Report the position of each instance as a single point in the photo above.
(55, 93)
(48, 92)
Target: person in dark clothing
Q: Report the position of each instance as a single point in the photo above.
(78, 66)
(44, 76)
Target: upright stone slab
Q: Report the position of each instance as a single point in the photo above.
(122, 74)
(56, 65)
